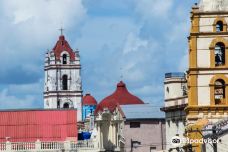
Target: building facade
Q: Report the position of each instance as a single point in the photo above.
(176, 99)
(207, 73)
(89, 105)
(62, 82)
(208, 62)
(144, 128)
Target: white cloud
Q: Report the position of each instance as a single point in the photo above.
(32, 88)
(38, 21)
(13, 102)
(134, 43)
(21, 96)
(153, 8)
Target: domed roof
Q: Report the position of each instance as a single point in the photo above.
(120, 97)
(62, 45)
(89, 100)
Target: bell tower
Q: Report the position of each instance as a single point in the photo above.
(208, 62)
(62, 84)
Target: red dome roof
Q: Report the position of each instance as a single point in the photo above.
(62, 45)
(89, 100)
(121, 96)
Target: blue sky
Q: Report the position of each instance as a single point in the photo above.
(139, 39)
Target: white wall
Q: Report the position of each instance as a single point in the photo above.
(54, 71)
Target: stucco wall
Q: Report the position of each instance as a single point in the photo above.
(150, 134)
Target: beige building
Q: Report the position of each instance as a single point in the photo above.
(144, 128)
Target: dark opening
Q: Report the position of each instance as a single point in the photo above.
(134, 124)
(219, 92)
(48, 60)
(64, 82)
(219, 54)
(58, 104)
(64, 59)
(219, 26)
(66, 105)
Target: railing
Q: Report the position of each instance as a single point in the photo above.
(46, 146)
(52, 145)
(82, 144)
(175, 75)
(2, 146)
(17, 146)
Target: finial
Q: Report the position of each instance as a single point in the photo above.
(61, 30)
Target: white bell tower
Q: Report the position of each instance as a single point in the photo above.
(62, 84)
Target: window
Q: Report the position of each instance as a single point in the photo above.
(64, 82)
(219, 54)
(219, 26)
(134, 124)
(219, 93)
(184, 90)
(48, 60)
(167, 89)
(66, 105)
(152, 149)
(58, 104)
(64, 59)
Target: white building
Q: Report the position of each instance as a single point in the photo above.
(176, 99)
(62, 83)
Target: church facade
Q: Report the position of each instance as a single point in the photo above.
(62, 82)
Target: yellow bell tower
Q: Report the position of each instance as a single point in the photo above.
(208, 62)
(208, 66)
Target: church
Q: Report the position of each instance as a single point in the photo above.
(62, 80)
(73, 122)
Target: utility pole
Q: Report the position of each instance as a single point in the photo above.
(131, 145)
(214, 137)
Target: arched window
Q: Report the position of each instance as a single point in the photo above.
(48, 60)
(66, 105)
(219, 26)
(167, 89)
(219, 91)
(64, 59)
(219, 54)
(64, 82)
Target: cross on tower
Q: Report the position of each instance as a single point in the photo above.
(61, 30)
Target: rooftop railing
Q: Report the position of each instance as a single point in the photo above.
(175, 75)
(51, 146)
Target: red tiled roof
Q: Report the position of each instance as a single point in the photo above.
(31, 125)
(89, 100)
(62, 45)
(121, 96)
